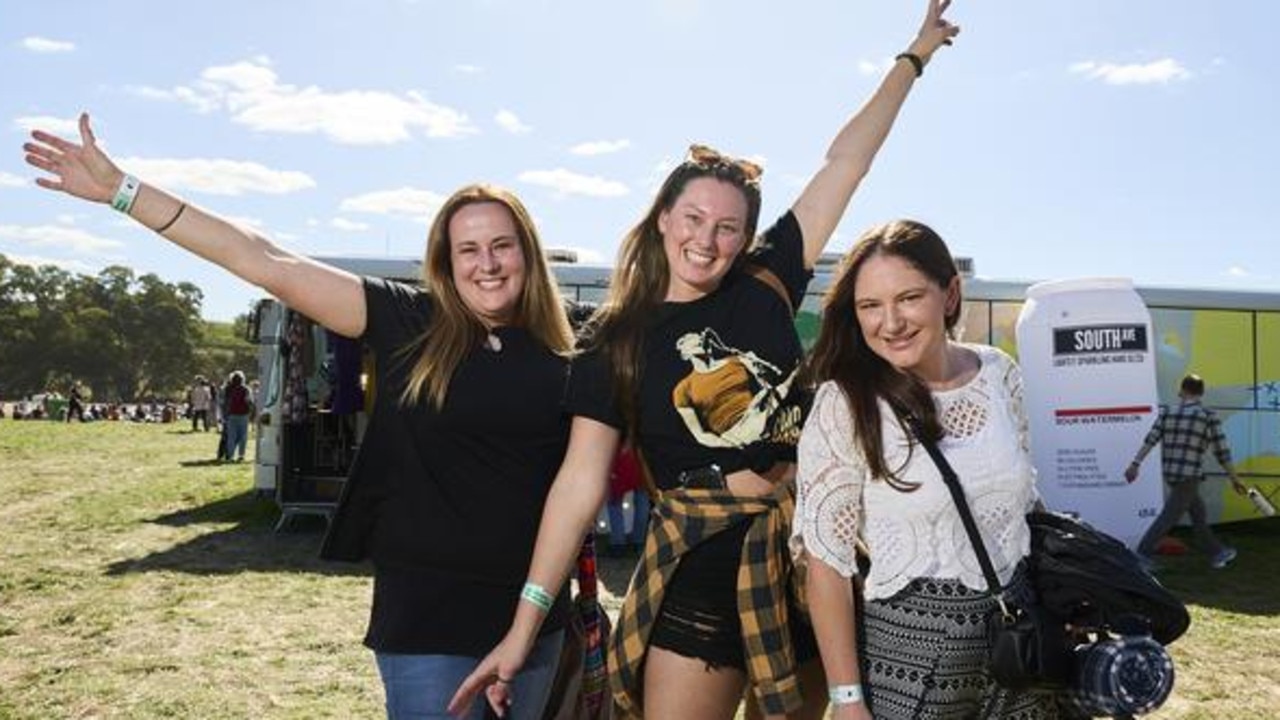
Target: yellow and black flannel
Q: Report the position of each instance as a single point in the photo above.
(683, 519)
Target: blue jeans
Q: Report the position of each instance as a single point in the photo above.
(237, 436)
(419, 687)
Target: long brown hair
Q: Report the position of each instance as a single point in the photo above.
(454, 329)
(641, 275)
(842, 354)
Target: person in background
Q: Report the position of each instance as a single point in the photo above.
(1185, 433)
(711, 610)
(199, 398)
(626, 477)
(885, 355)
(467, 430)
(224, 428)
(239, 404)
(75, 403)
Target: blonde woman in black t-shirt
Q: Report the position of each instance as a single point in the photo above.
(708, 613)
(466, 434)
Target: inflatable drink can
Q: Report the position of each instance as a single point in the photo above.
(1089, 371)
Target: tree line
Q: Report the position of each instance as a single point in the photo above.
(124, 337)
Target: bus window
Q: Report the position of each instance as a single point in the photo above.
(975, 322)
(1004, 325)
(1215, 344)
(1267, 384)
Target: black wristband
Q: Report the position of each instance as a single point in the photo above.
(912, 58)
(173, 219)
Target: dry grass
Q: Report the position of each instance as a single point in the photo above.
(139, 581)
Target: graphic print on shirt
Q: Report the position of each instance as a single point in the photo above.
(733, 398)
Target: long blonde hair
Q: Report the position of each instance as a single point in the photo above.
(640, 278)
(454, 329)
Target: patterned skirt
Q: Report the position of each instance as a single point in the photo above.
(924, 656)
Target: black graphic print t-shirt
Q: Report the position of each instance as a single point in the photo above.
(718, 382)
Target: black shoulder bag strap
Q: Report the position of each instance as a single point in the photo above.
(966, 516)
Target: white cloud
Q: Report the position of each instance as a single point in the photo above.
(600, 147)
(566, 182)
(252, 94)
(217, 176)
(1237, 272)
(658, 174)
(247, 221)
(508, 121)
(74, 266)
(202, 102)
(1160, 71)
(407, 201)
(342, 223)
(48, 123)
(67, 219)
(873, 68)
(9, 180)
(45, 45)
(467, 69)
(58, 236)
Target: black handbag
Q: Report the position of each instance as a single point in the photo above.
(1096, 583)
(1029, 646)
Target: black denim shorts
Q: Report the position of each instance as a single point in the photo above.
(699, 616)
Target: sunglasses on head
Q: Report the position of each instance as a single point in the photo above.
(708, 157)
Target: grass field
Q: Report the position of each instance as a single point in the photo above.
(140, 580)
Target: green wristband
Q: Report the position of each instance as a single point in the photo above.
(538, 596)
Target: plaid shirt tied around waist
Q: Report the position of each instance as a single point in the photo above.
(1185, 433)
(683, 519)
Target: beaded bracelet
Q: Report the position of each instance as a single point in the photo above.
(537, 595)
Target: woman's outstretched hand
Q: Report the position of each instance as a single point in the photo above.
(935, 31)
(83, 170)
(493, 676)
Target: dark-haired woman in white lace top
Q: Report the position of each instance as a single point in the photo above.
(884, 353)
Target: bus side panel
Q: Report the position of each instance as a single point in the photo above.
(266, 471)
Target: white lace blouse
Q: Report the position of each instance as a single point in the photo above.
(919, 534)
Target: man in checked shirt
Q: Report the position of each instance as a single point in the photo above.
(1186, 432)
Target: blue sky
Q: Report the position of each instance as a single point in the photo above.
(1090, 137)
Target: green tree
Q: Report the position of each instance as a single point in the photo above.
(225, 349)
(125, 337)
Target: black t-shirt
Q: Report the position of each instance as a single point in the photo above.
(464, 485)
(718, 377)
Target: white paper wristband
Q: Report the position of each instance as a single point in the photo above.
(844, 694)
(126, 193)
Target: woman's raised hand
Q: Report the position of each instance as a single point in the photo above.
(935, 31)
(83, 170)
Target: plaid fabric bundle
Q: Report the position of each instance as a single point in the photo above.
(685, 518)
(1121, 677)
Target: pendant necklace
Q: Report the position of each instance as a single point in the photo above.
(493, 342)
